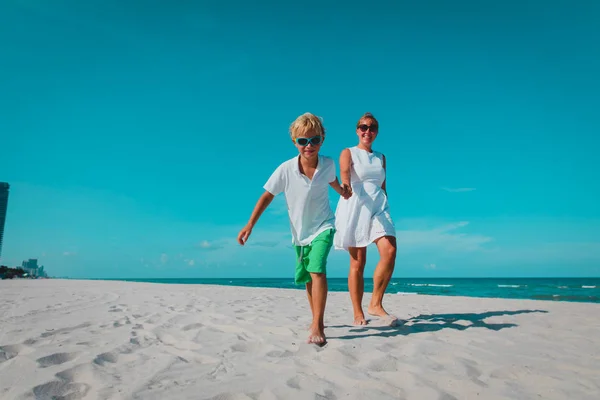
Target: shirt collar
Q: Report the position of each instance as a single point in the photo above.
(297, 163)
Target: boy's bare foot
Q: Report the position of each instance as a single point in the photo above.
(317, 336)
(360, 320)
(381, 313)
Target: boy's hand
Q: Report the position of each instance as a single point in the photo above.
(244, 235)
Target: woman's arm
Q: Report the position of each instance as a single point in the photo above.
(383, 185)
(345, 165)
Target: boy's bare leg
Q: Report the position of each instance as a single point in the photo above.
(310, 299)
(356, 282)
(383, 273)
(318, 294)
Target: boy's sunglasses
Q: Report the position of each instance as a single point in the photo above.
(365, 127)
(315, 141)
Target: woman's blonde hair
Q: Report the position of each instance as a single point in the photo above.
(368, 116)
(307, 123)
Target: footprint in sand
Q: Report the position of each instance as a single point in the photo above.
(108, 357)
(56, 359)
(385, 363)
(143, 340)
(279, 354)
(122, 322)
(446, 396)
(246, 347)
(61, 390)
(327, 395)
(231, 396)
(176, 342)
(10, 351)
(192, 326)
(52, 332)
(293, 383)
(67, 387)
(308, 349)
(79, 373)
(339, 356)
(472, 371)
(153, 319)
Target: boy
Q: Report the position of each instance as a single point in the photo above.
(305, 180)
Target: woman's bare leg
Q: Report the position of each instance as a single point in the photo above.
(383, 273)
(356, 282)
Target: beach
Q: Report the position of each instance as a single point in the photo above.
(69, 339)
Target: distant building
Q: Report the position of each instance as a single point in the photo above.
(31, 267)
(3, 207)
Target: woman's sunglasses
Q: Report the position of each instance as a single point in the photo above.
(365, 127)
(315, 141)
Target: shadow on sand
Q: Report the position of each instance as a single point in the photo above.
(432, 323)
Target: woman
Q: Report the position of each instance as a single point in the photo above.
(365, 218)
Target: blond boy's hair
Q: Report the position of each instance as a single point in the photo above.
(305, 124)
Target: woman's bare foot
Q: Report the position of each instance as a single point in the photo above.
(381, 313)
(317, 336)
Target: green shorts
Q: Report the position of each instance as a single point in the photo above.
(313, 258)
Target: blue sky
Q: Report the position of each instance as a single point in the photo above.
(137, 135)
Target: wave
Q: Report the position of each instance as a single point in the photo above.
(512, 286)
(588, 287)
(407, 293)
(562, 297)
(429, 284)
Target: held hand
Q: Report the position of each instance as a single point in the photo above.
(346, 191)
(244, 235)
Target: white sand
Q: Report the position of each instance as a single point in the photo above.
(117, 340)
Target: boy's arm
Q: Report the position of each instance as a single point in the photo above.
(339, 189)
(261, 205)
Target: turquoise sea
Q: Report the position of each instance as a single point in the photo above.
(555, 289)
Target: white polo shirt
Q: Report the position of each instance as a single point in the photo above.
(307, 200)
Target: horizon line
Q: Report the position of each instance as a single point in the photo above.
(343, 277)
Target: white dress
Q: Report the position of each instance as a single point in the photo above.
(365, 216)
